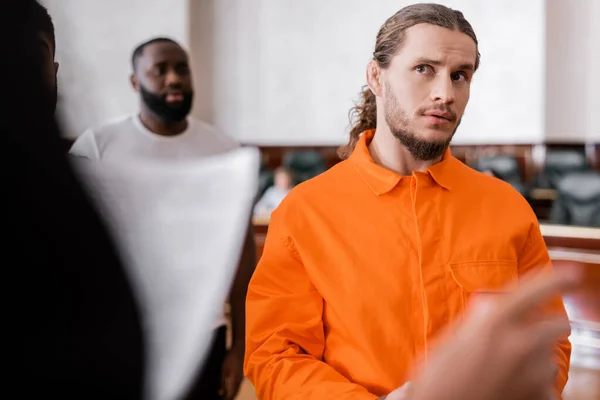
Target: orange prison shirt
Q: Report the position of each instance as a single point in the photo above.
(363, 267)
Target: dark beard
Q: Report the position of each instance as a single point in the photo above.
(398, 122)
(420, 149)
(167, 113)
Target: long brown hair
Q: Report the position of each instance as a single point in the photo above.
(363, 116)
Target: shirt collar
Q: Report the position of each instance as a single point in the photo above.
(382, 180)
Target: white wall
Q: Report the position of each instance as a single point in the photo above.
(291, 70)
(572, 70)
(594, 68)
(94, 44)
(288, 71)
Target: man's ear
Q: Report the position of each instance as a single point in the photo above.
(374, 78)
(134, 82)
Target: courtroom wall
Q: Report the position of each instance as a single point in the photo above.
(572, 70)
(94, 44)
(296, 68)
(286, 72)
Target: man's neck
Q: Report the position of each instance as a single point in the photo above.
(388, 152)
(155, 125)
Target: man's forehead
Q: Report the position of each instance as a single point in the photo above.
(164, 52)
(430, 41)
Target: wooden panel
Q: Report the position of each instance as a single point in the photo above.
(543, 194)
(542, 208)
(583, 304)
(273, 155)
(583, 308)
(573, 237)
(260, 226)
(584, 383)
(260, 245)
(469, 154)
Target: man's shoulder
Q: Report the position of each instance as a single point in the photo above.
(311, 197)
(212, 136)
(113, 125)
(322, 185)
(502, 195)
(91, 142)
(471, 177)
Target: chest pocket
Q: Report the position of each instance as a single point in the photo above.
(491, 277)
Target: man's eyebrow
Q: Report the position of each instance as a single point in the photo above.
(467, 67)
(165, 61)
(425, 60)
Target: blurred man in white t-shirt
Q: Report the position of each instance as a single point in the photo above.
(163, 130)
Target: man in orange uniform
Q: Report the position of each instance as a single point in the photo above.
(365, 264)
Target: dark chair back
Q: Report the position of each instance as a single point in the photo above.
(304, 164)
(559, 163)
(266, 179)
(578, 200)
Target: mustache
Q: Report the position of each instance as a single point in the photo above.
(175, 88)
(438, 107)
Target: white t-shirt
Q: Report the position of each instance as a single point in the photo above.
(127, 138)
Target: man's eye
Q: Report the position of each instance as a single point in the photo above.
(423, 69)
(459, 77)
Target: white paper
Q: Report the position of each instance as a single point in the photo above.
(180, 228)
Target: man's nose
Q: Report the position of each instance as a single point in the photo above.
(443, 91)
(172, 79)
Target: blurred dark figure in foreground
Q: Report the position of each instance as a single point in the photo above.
(76, 324)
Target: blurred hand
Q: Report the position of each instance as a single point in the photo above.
(498, 351)
(402, 393)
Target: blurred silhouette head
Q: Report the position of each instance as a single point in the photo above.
(44, 27)
(161, 74)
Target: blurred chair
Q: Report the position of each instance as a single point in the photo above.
(558, 163)
(304, 164)
(265, 179)
(507, 168)
(578, 200)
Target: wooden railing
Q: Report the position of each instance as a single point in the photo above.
(573, 237)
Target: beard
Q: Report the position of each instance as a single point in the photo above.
(168, 113)
(399, 123)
